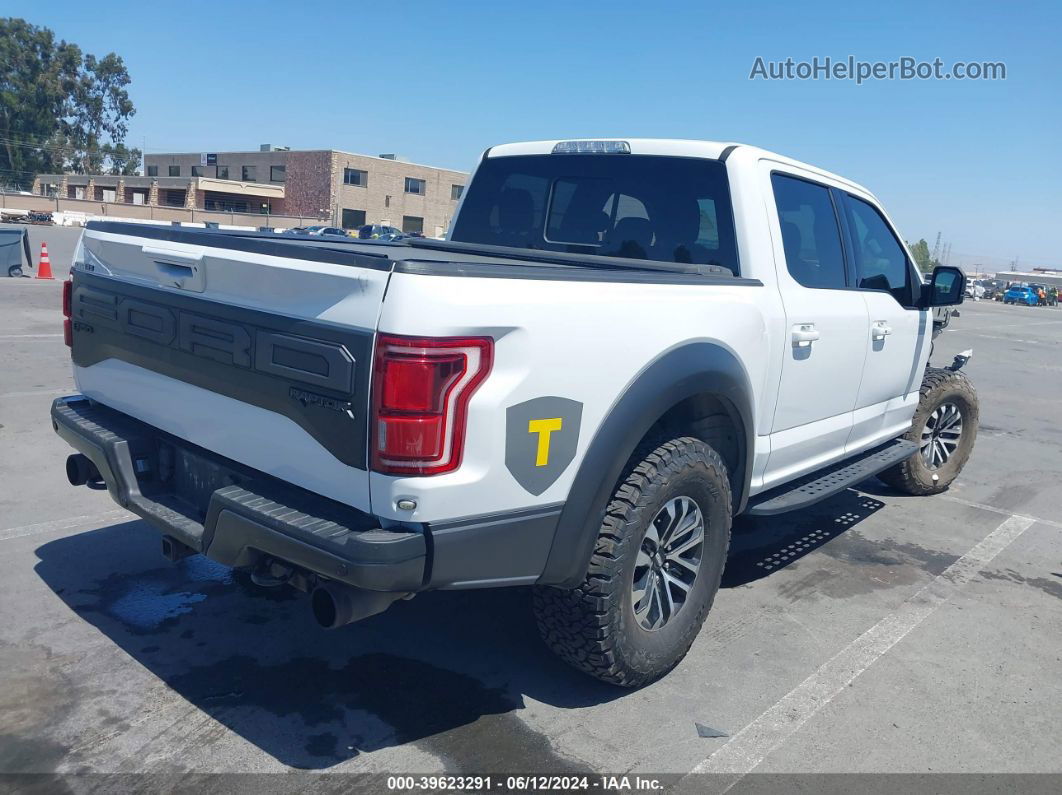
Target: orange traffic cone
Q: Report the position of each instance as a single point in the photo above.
(44, 269)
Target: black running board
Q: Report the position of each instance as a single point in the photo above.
(825, 483)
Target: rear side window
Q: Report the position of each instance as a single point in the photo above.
(880, 261)
(811, 237)
(671, 209)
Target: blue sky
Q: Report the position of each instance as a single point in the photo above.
(437, 83)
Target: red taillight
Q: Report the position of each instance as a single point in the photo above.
(68, 332)
(421, 389)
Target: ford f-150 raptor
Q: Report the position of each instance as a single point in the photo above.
(621, 345)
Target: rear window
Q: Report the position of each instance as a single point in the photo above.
(670, 209)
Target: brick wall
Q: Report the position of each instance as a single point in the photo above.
(308, 190)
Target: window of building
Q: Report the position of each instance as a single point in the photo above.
(152, 171)
(810, 235)
(880, 261)
(412, 223)
(173, 198)
(456, 191)
(352, 176)
(417, 186)
(197, 171)
(223, 172)
(352, 219)
(175, 171)
(278, 173)
(250, 174)
(225, 204)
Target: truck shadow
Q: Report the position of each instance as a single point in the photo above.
(445, 671)
(760, 546)
(254, 660)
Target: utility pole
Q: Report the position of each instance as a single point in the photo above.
(936, 249)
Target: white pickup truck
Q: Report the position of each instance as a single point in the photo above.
(621, 346)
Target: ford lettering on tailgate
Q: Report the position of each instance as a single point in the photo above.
(306, 370)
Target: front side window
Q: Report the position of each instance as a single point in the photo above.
(880, 261)
(416, 186)
(669, 209)
(811, 238)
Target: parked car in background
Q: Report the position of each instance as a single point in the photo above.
(330, 231)
(994, 289)
(1021, 295)
(975, 289)
(379, 232)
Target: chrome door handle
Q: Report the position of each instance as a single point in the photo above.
(804, 334)
(880, 330)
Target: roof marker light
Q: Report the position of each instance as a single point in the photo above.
(592, 148)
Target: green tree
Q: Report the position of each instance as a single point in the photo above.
(59, 108)
(121, 160)
(920, 252)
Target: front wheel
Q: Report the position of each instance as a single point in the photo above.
(14, 271)
(654, 572)
(944, 428)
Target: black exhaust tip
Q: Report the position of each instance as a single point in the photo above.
(335, 605)
(80, 470)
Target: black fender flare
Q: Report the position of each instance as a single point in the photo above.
(695, 368)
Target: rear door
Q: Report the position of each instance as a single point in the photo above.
(900, 334)
(825, 344)
(257, 349)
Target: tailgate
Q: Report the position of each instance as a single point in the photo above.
(254, 348)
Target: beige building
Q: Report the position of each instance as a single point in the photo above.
(347, 189)
(339, 188)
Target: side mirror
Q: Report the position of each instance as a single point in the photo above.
(947, 287)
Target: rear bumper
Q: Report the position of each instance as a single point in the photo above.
(236, 515)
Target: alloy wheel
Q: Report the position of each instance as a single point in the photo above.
(668, 562)
(941, 435)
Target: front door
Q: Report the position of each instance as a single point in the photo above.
(900, 334)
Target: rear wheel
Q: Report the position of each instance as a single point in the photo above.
(944, 428)
(654, 572)
(14, 271)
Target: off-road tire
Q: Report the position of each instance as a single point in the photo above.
(593, 626)
(939, 386)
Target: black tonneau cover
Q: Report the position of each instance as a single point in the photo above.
(427, 256)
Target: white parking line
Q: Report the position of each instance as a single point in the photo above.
(62, 524)
(749, 747)
(1000, 511)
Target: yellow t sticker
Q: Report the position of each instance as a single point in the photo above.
(543, 428)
